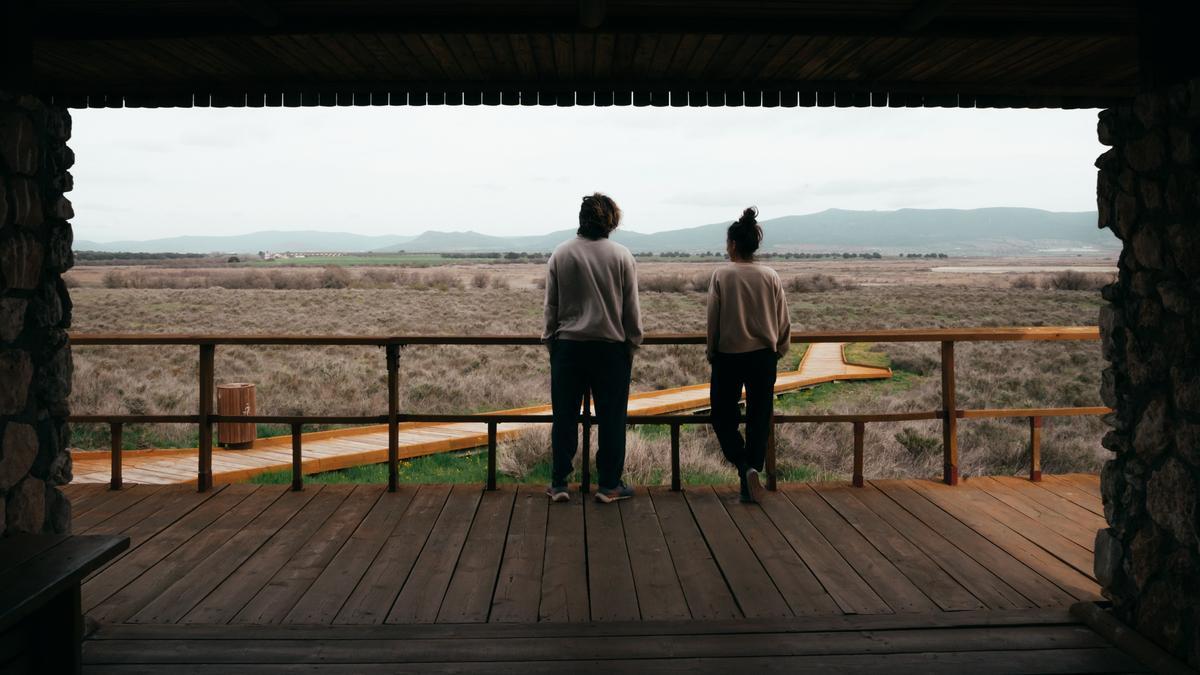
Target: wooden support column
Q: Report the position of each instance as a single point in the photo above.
(393, 385)
(1035, 449)
(585, 479)
(675, 478)
(297, 459)
(491, 469)
(859, 432)
(114, 450)
(949, 417)
(204, 472)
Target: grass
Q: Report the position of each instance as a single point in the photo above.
(329, 380)
(401, 259)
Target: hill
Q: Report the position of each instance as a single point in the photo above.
(986, 231)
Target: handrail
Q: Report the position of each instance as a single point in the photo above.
(949, 414)
(1006, 334)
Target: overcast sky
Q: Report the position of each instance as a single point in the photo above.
(144, 174)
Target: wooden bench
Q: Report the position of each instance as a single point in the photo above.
(41, 622)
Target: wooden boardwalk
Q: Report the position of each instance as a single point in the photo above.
(356, 554)
(339, 449)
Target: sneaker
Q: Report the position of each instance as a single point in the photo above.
(614, 494)
(558, 493)
(755, 486)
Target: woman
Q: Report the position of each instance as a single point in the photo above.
(748, 332)
(593, 326)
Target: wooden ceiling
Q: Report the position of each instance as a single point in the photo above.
(965, 53)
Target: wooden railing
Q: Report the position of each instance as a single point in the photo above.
(949, 414)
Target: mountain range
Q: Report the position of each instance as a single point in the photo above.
(984, 231)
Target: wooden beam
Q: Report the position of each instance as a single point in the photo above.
(91, 26)
(922, 14)
(262, 11)
(16, 69)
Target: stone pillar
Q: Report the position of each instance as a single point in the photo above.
(1148, 560)
(35, 311)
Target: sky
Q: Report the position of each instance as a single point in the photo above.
(144, 174)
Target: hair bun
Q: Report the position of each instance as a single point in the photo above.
(749, 216)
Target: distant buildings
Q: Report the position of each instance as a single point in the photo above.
(291, 255)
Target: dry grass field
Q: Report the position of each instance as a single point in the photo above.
(504, 298)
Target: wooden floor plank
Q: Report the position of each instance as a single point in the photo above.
(659, 594)
(1089, 521)
(421, 597)
(376, 592)
(1089, 483)
(1069, 490)
(935, 543)
(273, 602)
(1061, 547)
(119, 502)
(324, 599)
(171, 603)
(1030, 554)
(922, 571)
(888, 582)
(704, 588)
(224, 602)
(756, 594)
(1049, 518)
(496, 651)
(473, 584)
(1098, 660)
(565, 570)
(519, 584)
(612, 593)
(840, 580)
(1010, 568)
(802, 591)
(160, 544)
(183, 558)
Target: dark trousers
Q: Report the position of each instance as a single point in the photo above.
(756, 371)
(603, 367)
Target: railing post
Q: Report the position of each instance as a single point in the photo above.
(949, 417)
(675, 479)
(115, 440)
(297, 461)
(1035, 449)
(772, 481)
(859, 429)
(204, 472)
(491, 477)
(585, 479)
(393, 385)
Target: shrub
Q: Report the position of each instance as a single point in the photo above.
(500, 283)
(334, 277)
(917, 444)
(664, 283)
(701, 281)
(114, 279)
(481, 279)
(1024, 282)
(1071, 280)
(817, 283)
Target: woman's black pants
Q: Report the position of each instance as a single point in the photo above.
(730, 372)
(603, 367)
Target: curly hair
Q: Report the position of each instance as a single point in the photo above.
(599, 215)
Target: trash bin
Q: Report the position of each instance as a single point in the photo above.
(236, 398)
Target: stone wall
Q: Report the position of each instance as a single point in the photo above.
(35, 311)
(1148, 560)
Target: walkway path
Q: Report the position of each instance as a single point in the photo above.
(342, 448)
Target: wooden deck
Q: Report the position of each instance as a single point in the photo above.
(332, 450)
(345, 554)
